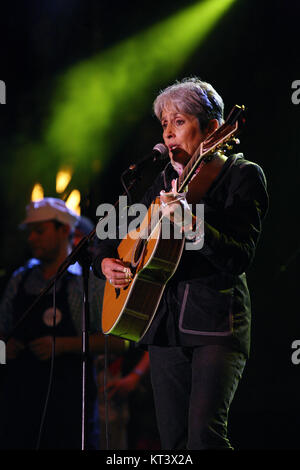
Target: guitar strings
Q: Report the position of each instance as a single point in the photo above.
(162, 216)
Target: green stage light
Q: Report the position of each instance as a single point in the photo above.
(99, 99)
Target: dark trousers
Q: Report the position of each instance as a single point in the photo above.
(193, 389)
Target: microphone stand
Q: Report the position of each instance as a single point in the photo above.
(77, 254)
(85, 346)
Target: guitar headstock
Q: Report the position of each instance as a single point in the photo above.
(236, 114)
(224, 137)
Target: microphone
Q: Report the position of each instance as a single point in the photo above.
(158, 153)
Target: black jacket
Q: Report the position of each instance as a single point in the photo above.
(207, 299)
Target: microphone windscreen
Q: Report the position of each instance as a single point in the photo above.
(162, 149)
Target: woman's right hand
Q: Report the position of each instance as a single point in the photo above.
(116, 272)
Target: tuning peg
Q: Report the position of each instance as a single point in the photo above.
(229, 145)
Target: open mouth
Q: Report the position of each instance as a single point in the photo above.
(173, 148)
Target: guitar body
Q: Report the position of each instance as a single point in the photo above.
(128, 312)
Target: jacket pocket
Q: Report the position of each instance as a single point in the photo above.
(206, 311)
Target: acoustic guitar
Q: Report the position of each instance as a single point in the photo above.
(153, 259)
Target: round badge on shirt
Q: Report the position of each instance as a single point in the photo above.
(48, 317)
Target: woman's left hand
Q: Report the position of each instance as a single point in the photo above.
(175, 207)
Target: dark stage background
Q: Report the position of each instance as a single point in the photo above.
(251, 56)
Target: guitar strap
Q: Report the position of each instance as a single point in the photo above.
(229, 164)
(206, 174)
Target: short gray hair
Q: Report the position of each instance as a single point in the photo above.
(192, 96)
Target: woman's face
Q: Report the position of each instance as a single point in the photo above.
(182, 135)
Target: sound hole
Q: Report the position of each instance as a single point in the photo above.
(138, 252)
